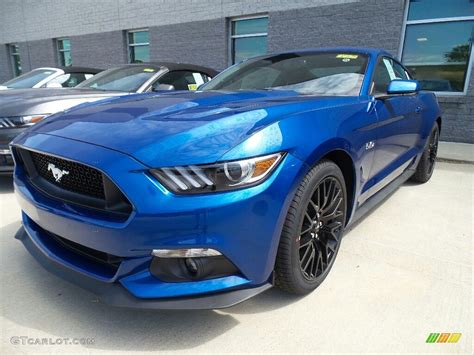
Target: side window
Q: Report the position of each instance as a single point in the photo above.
(400, 72)
(386, 71)
(67, 80)
(382, 77)
(74, 79)
(182, 80)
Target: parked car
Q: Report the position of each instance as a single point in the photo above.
(19, 109)
(204, 199)
(66, 77)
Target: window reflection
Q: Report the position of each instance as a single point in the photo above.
(249, 38)
(249, 47)
(431, 9)
(138, 46)
(438, 54)
(64, 51)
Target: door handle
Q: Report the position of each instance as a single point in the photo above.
(418, 109)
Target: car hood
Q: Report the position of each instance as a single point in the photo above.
(20, 102)
(182, 127)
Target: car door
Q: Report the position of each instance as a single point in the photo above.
(399, 122)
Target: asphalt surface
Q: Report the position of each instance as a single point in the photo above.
(403, 272)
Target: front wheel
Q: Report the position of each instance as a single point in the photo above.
(312, 231)
(427, 162)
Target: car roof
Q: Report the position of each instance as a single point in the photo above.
(74, 69)
(175, 66)
(363, 50)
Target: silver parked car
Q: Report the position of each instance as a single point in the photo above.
(66, 77)
(20, 109)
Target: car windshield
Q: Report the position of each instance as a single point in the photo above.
(128, 79)
(30, 79)
(306, 73)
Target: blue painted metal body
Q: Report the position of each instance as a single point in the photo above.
(125, 137)
(403, 87)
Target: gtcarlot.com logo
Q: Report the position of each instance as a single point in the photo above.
(26, 340)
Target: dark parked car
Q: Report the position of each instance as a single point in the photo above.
(66, 77)
(20, 109)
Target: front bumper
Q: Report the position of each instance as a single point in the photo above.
(114, 295)
(243, 225)
(6, 160)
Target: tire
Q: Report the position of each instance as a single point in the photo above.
(313, 229)
(427, 162)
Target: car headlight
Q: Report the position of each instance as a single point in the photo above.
(217, 177)
(20, 121)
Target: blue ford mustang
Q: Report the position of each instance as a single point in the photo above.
(204, 199)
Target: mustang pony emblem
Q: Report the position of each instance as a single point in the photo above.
(57, 173)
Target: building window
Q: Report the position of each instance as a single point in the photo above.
(248, 37)
(138, 46)
(437, 47)
(15, 58)
(64, 52)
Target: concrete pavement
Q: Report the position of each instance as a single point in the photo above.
(403, 272)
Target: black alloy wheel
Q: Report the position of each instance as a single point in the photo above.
(427, 162)
(433, 150)
(313, 230)
(321, 228)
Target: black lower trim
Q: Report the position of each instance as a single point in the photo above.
(95, 256)
(380, 196)
(114, 294)
(385, 181)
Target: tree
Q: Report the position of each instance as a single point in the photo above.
(458, 54)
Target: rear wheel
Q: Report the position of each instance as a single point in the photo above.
(427, 162)
(312, 231)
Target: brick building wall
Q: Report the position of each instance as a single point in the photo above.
(6, 71)
(39, 53)
(342, 25)
(99, 50)
(199, 42)
(196, 31)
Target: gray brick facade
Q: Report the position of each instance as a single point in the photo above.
(342, 25)
(6, 71)
(196, 31)
(99, 50)
(40, 53)
(200, 42)
(41, 19)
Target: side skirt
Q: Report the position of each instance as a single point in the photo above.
(380, 196)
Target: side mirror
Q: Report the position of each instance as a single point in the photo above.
(163, 87)
(403, 87)
(400, 87)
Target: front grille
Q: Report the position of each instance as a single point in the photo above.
(77, 177)
(73, 182)
(6, 160)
